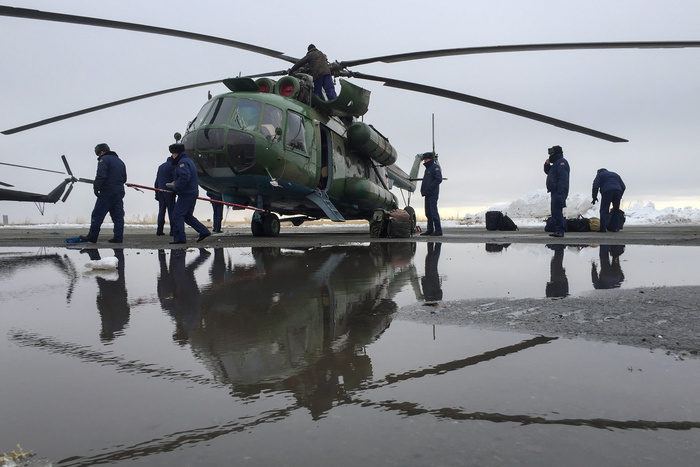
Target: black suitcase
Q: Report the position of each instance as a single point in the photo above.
(493, 220)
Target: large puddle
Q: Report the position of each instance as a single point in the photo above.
(262, 356)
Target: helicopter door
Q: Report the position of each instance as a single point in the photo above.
(299, 146)
(326, 159)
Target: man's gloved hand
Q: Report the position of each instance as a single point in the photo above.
(170, 185)
(594, 200)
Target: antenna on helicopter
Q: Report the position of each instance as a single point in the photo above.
(434, 153)
(177, 137)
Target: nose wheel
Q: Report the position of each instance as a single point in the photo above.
(265, 225)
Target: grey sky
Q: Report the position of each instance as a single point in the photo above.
(647, 96)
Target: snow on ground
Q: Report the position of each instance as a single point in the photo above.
(533, 210)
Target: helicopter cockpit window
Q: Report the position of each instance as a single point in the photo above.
(220, 111)
(200, 116)
(245, 117)
(271, 120)
(296, 137)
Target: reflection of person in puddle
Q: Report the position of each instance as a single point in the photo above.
(558, 285)
(111, 298)
(432, 290)
(179, 293)
(217, 271)
(611, 275)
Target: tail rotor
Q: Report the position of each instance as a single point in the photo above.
(72, 179)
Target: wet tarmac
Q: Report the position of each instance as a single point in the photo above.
(371, 353)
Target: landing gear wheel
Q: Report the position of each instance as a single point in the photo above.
(271, 225)
(256, 227)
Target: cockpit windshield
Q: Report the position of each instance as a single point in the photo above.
(241, 114)
(246, 115)
(271, 120)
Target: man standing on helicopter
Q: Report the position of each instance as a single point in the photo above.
(317, 64)
(430, 189)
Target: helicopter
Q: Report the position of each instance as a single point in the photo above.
(275, 146)
(38, 199)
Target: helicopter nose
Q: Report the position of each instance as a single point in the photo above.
(218, 148)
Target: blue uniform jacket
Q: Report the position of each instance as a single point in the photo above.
(431, 179)
(111, 174)
(185, 176)
(557, 175)
(163, 176)
(607, 181)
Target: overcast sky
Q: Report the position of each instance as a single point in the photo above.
(649, 97)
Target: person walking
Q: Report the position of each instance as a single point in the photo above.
(317, 64)
(186, 186)
(611, 189)
(430, 190)
(557, 170)
(218, 211)
(166, 201)
(108, 187)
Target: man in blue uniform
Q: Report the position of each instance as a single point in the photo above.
(611, 189)
(186, 186)
(108, 186)
(218, 211)
(430, 189)
(166, 201)
(557, 170)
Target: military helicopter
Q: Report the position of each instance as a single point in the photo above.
(38, 199)
(275, 147)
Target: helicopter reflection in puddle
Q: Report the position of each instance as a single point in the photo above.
(294, 320)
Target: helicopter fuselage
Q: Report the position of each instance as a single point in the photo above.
(278, 154)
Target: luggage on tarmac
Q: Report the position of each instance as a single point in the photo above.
(397, 223)
(620, 219)
(496, 220)
(493, 218)
(578, 224)
(378, 224)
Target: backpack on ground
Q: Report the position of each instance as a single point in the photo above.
(578, 224)
(397, 223)
(379, 223)
(620, 219)
(507, 223)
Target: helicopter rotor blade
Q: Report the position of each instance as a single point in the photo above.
(65, 163)
(32, 168)
(77, 113)
(65, 197)
(489, 104)
(272, 73)
(403, 57)
(104, 23)
(6, 184)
